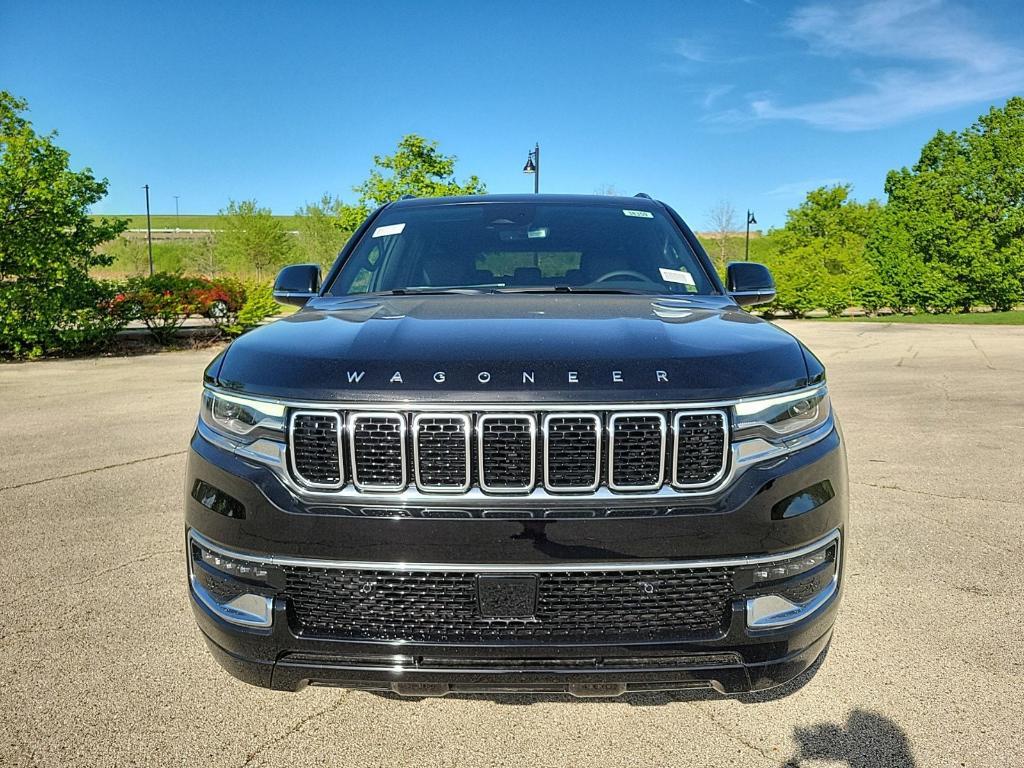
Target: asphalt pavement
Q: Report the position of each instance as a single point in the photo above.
(101, 665)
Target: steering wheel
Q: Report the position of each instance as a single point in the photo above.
(623, 273)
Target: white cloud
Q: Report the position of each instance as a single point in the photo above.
(693, 50)
(714, 93)
(798, 189)
(913, 57)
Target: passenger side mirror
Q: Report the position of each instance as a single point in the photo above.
(749, 283)
(296, 284)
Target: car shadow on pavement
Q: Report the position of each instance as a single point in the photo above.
(867, 740)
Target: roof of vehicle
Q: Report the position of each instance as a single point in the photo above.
(642, 203)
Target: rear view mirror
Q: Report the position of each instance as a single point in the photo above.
(296, 284)
(750, 284)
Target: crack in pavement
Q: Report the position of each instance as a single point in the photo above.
(937, 495)
(96, 575)
(89, 471)
(736, 737)
(939, 521)
(39, 631)
(982, 353)
(295, 728)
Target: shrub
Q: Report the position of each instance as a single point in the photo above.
(47, 242)
(94, 327)
(221, 300)
(163, 302)
(259, 305)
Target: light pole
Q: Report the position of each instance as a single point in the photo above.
(533, 166)
(149, 231)
(750, 220)
(177, 223)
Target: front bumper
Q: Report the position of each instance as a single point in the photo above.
(754, 517)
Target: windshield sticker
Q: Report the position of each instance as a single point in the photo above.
(638, 214)
(389, 229)
(677, 276)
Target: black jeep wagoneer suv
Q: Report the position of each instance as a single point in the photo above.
(518, 443)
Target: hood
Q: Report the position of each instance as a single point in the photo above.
(515, 347)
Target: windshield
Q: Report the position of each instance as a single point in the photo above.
(500, 246)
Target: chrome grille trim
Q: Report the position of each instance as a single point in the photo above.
(467, 429)
(663, 428)
(326, 415)
(835, 535)
(545, 431)
(481, 422)
(675, 448)
(353, 424)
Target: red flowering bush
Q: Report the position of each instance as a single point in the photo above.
(220, 299)
(163, 302)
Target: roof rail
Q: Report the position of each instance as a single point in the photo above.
(643, 195)
(407, 197)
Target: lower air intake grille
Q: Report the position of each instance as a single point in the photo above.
(700, 448)
(378, 450)
(637, 452)
(507, 452)
(617, 606)
(316, 448)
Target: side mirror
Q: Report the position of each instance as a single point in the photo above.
(749, 284)
(296, 284)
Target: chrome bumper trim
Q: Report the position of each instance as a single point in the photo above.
(359, 565)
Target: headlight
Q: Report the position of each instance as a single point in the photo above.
(240, 417)
(782, 417)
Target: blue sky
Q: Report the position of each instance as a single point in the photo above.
(752, 102)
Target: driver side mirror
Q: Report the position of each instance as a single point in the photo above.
(296, 284)
(749, 284)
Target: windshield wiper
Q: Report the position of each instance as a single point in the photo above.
(573, 289)
(427, 291)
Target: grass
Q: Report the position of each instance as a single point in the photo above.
(1014, 317)
(189, 221)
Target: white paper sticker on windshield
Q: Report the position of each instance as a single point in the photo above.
(638, 214)
(677, 276)
(389, 229)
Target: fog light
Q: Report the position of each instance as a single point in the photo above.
(790, 588)
(236, 590)
(792, 568)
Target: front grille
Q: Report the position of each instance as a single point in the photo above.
(572, 445)
(699, 448)
(507, 452)
(442, 452)
(378, 450)
(598, 606)
(510, 453)
(637, 451)
(316, 448)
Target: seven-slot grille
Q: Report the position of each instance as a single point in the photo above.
(510, 453)
(598, 605)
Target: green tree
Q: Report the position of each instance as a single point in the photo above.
(818, 256)
(951, 236)
(416, 168)
(204, 257)
(322, 230)
(251, 236)
(47, 240)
